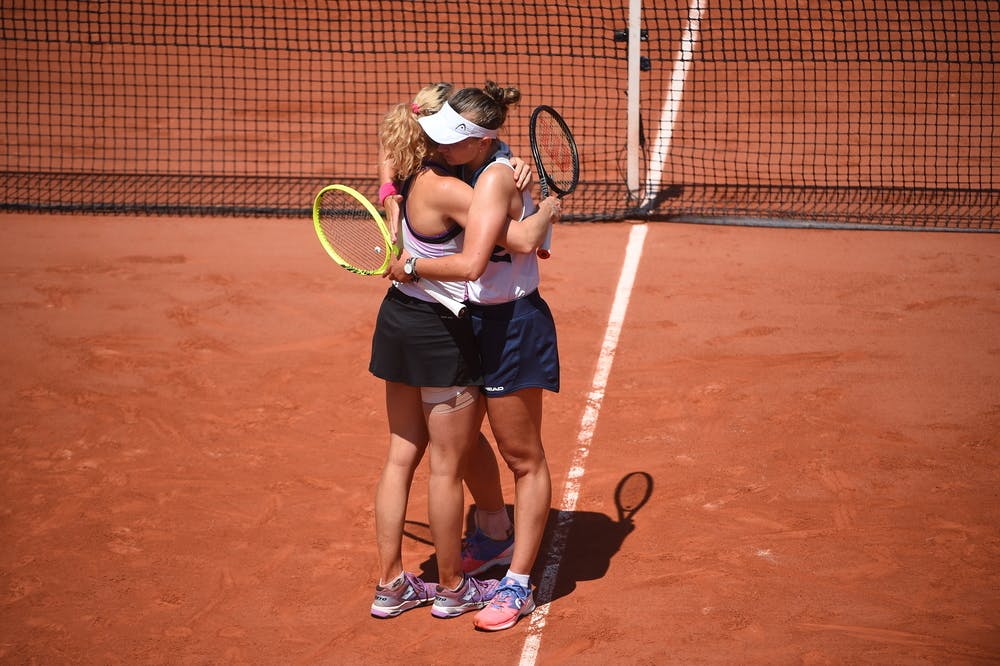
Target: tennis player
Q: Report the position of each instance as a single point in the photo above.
(491, 542)
(513, 324)
(429, 360)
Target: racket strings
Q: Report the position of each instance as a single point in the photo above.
(556, 152)
(352, 233)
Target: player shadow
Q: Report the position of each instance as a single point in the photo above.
(580, 545)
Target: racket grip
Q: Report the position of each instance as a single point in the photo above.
(456, 308)
(543, 251)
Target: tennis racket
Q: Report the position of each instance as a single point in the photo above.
(354, 234)
(556, 158)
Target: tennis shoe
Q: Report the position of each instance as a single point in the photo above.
(471, 595)
(479, 552)
(509, 604)
(408, 592)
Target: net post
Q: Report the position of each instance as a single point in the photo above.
(632, 130)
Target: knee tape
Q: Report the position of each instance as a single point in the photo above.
(449, 398)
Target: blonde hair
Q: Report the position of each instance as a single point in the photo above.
(405, 144)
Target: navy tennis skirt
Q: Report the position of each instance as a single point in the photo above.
(517, 345)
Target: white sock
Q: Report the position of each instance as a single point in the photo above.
(520, 579)
(395, 581)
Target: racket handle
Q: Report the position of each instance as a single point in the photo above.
(543, 251)
(456, 308)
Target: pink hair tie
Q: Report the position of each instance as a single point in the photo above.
(415, 108)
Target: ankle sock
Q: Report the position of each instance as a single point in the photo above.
(395, 581)
(521, 579)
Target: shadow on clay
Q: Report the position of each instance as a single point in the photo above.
(577, 545)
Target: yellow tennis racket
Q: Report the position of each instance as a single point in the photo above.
(354, 234)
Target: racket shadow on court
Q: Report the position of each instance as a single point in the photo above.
(581, 544)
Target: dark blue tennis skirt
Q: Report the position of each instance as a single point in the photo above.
(517, 345)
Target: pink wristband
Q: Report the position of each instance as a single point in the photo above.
(386, 190)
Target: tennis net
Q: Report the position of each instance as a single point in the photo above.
(874, 113)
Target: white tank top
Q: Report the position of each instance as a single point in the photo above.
(508, 276)
(430, 247)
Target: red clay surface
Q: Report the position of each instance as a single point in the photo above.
(190, 443)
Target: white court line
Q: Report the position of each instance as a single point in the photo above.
(571, 490)
(672, 105)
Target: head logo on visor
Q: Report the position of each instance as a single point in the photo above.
(448, 126)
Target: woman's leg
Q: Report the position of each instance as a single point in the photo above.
(516, 420)
(454, 429)
(407, 443)
(482, 476)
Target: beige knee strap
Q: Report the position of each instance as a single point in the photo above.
(449, 399)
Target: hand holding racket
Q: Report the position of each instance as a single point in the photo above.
(556, 158)
(357, 238)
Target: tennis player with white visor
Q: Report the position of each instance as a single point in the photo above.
(513, 325)
(430, 362)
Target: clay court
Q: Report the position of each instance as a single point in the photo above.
(191, 441)
(191, 438)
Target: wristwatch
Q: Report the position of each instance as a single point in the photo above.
(410, 268)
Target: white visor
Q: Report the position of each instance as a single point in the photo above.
(447, 126)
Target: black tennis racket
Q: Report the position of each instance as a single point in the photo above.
(556, 158)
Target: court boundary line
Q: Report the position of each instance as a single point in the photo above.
(588, 424)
